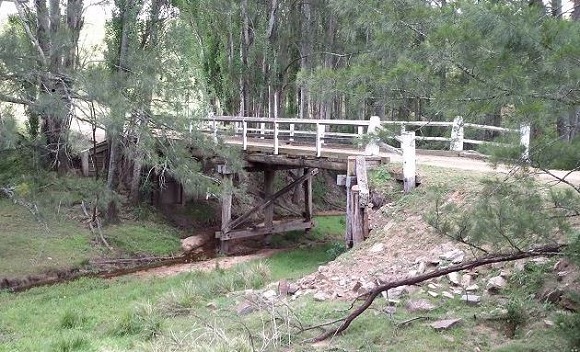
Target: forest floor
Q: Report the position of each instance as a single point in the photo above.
(275, 299)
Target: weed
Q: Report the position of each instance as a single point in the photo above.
(73, 343)
(515, 317)
(569, 328)
(72, 320)
(143, 321)
(204, 287)
(530, 280)
(336, 249)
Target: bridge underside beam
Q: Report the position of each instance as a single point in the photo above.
(277, 227)
(298, 162)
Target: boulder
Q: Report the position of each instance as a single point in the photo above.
(454, 278)
(495, 284)
(455, 256)
(192, 243)
(420, 305)
(445, 324)
(471, 299)
(447, 294)
(293, 289)
(269, 294)
(377, 248)
(320, 296)
(245, 308)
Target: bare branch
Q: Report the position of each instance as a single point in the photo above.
(505, 257)
(14, 100)
(562, 179)
(28, 30)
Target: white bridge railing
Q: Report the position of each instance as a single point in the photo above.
(363, 131)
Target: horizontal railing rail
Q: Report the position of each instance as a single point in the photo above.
(363, 131)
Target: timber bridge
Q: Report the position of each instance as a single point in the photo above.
(350, 147)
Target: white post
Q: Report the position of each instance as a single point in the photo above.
(360, 132)
(409, 161)
(214, 130)
(262, 129)
(291, 132)
(245, 134)
(237, 128)
(457, 135)
(372, 147)
(319, 138)
(525, 141)
(276, 143)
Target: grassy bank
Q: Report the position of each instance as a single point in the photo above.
(132, 314)
(36, 244)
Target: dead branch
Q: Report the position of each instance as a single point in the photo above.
(94, 220)
(409, 321)
(490, 259)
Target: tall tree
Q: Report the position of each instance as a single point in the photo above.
(41, 74)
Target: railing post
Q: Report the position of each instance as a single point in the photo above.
(262, 129)
(525, 141)
(276, 143)
(319, 138)
(457, 135)
(409, 161)
(372, 147)
(360, 131)
(291, 132)
(403, 129)
(245, 134)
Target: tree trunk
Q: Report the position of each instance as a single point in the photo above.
(148, 43)
(305, 52)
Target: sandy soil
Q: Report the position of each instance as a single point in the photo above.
(208, 265)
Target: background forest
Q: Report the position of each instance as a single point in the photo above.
(166, 63)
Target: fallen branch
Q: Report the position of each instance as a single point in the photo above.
(409, 321)
(94, 220)
(490, 259)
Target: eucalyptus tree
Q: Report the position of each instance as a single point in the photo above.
(38, 63)
(253, 54)
(153, 96)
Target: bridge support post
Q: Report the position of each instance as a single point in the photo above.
(227, 184)
(357, 200)
(308, 212)
(269, 176)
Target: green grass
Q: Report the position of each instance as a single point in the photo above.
(124, 314)
(31, 245)
(144, 238)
